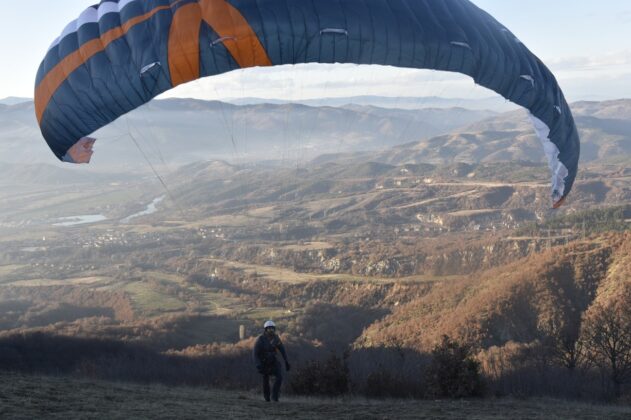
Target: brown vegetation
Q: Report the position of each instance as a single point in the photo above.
(544, 321)
(453, 371)
(533, 324)
(44, 305)
(606, 334)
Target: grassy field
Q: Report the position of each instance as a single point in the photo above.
(151, 297)
(29, 397)
(286, 275)
(94, 280)
(149, 301)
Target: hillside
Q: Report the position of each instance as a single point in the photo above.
(63, 398)
(379, 200)
(513, 303)
(13, 100)
(604, 130)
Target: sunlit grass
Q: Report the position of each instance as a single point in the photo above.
(262, 314)
(92, 281)
(286, 275)
(149, 301)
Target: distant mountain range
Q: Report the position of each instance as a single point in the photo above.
(14, 100)
(604, 128)
(177, 131)
(496, 104)
(172, 132)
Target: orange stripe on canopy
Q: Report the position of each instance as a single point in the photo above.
(240, 39)
(229, 24)
(184, 44)
(58, 75)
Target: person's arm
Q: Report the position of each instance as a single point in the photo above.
(256, 353)
(281, 349)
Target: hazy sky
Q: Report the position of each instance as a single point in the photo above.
(584, 42)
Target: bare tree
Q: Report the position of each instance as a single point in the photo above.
(607, 335)
(561, 339)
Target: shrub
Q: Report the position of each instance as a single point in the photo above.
(330, 377)
(453, 372)
(384, 384)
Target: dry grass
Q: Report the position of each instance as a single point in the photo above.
(29, 397)
(219, 303)
(465, 213)
(286, 275)
(149, 301)
(8, 269)
(160, 275)
(309, 246)
(260, 315)
(76, 281)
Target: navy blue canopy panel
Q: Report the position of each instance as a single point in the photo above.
(120, 54)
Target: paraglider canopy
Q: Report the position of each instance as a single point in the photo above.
(120, 54)
(81, 151)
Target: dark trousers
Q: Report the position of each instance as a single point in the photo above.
(277, 373)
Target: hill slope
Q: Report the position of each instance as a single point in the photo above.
(516, 302)
(604, 129)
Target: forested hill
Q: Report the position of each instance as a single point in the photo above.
(544, 296)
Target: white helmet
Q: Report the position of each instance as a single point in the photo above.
(269, 323)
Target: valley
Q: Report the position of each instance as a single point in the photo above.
(369, 255)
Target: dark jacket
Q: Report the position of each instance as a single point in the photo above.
(265, 351)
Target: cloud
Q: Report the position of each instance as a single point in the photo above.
(325, 80)
(624, 17)
(605, 76)
(596, 87)
(618, 60)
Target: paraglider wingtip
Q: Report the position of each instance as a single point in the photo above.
(81, 151)
(559, 203)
